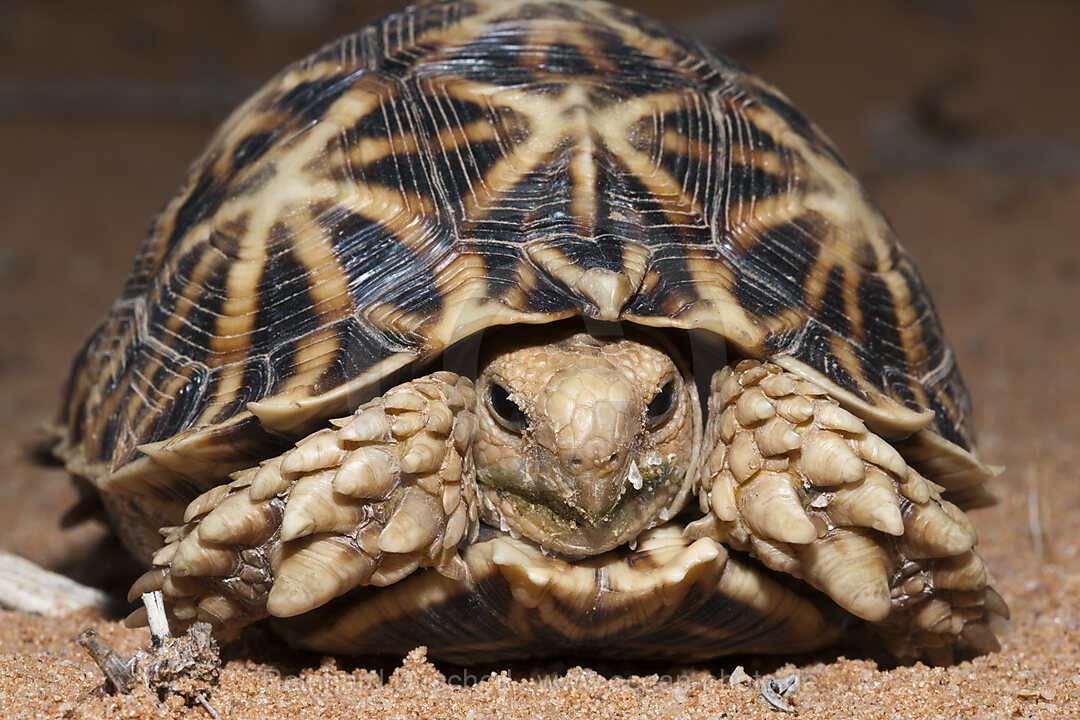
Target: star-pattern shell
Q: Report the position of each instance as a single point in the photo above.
(469, 164)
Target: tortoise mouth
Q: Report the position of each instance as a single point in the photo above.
(512, 503)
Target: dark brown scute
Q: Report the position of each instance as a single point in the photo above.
(771, 277)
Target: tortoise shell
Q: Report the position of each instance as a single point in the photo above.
(468, 164)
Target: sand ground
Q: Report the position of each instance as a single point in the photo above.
(963, 118)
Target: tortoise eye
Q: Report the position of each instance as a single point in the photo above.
(505, 410)
(661, 405)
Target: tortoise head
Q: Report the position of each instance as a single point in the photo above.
(584, 443)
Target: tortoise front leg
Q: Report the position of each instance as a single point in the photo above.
(801, 484)
(371, 499)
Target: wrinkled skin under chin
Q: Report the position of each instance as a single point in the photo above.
(584, 443)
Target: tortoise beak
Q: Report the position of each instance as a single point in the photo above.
(587, 514)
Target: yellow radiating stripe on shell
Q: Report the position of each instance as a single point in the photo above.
(313, 355)
(616, 125)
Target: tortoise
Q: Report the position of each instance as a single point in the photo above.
(519, 328)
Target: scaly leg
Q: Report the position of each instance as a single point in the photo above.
(798, 482)
(366, 502)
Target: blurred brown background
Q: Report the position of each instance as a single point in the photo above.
(962, 117)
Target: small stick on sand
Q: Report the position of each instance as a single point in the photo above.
(187, 665)
(112, 664)
(155, 616)
(28, 587)
(206, 706)
(774, 690)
